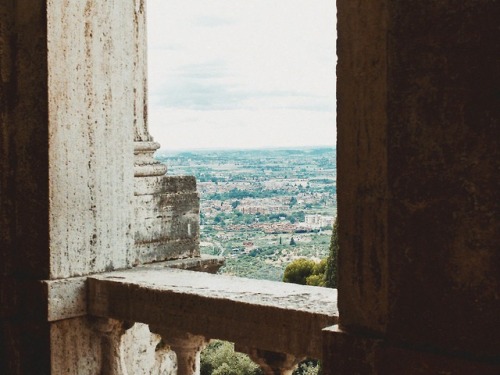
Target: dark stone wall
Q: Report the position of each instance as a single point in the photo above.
(24, 139)
(443, 162)
(24, 255)
(362, 164)
(418, 188)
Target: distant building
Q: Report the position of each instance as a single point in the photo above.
(318, 221)
(254, 209)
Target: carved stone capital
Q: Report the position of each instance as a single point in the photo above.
(187, 348)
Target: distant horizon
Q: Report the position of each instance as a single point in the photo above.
(271, 148)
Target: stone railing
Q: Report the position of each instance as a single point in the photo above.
(277, 324)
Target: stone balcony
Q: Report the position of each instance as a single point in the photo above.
(277, 324)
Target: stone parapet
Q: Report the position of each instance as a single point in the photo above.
(271, 316)
(67, 298)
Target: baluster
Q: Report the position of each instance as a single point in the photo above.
(111, 332)
(187, 348)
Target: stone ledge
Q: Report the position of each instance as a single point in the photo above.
(204, 263)
(269, 315)
(67, 298)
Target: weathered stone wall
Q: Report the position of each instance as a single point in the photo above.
(444, 159)
(418, 155)
(166, 219)
(70, 72)
(91, 116)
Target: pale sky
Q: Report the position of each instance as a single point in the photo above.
(241, 73)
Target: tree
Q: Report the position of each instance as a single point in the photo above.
(317, 278)
(305, 272)
(298, 271)
(220, 358)
(308, 367)
(224, 369)
(292, 242)
(331, 263)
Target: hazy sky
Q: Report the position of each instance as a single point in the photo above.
(241, 73)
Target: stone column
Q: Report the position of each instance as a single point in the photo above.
(111, 332)
(272, 363)
(141, 132)
(166, 208)
(187, 348)
(144, 146)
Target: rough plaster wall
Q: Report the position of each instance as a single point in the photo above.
(362, 164)
(444, 161)
(91, 101)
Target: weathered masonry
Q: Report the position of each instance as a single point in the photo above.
(92, 231)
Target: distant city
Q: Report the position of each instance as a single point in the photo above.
(263, 208)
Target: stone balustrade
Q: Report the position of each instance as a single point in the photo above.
(277, 324)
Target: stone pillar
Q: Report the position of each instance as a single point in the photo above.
(141, 132)
(187, 348)
(419, 266)
(272, 363)
(144, 146)
(147, 170)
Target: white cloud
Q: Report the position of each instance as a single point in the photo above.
(249, 67)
